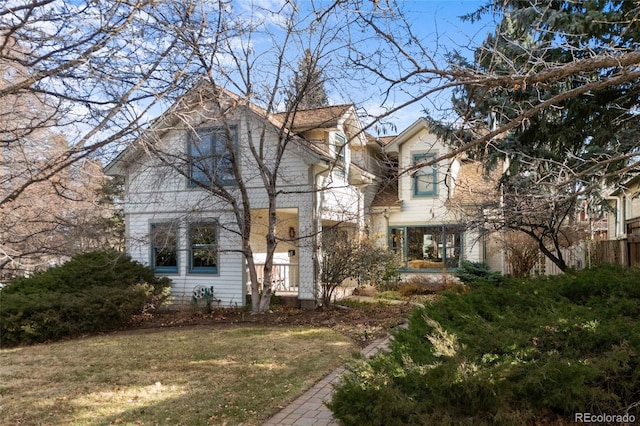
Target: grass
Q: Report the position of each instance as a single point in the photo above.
(194, 376)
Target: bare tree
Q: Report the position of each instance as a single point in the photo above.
(56, 219)
(522, 253)
(243, 102)
(340, 260)
(90, 71)
(76, 80)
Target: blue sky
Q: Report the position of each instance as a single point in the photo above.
(438, 20)
(442, 17)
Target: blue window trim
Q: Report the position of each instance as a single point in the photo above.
(152, 257)
(204, 131)
(405, 245)
(416, 193)
(208, 270)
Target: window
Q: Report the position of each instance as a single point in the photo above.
(425, 180)
(340, 142)
(203, 252)
(427, 247)
(164, 248)
(210, 156)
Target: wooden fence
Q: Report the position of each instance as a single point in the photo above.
(622, 252)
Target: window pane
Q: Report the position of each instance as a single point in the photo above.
(428, 247)
(424, 247)
(204, 256)
(164, 248)
(340, 142)
(201, 158)
(424, 183)
(224, 166)
(453, 246)
(425, 179)
(223, 148)
(397, 242)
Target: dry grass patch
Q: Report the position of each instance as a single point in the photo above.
(195, 376)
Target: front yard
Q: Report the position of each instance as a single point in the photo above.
(226, 367)
(189, 376)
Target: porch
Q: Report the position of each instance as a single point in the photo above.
(284, 277)
(285, 271)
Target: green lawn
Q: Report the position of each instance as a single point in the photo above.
(193, 376)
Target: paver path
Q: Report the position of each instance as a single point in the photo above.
(309, 409)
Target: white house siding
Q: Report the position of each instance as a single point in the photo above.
(157, 193)
(338, 201)
(227, 282)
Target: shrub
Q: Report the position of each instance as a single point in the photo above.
(477, 271)
(93, 292)
(425, 284)
(509, 354)
(345, 257)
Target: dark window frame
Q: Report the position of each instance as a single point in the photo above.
(156, 250)
(212, 157)
(193, 269)
(451, 237)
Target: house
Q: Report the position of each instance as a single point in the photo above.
(623, 225)
(183, 201)
(421, 212)
(183, 198)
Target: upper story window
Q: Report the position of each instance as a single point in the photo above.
(164, 248)
(425, 179)
(210, 156)
(342, 158)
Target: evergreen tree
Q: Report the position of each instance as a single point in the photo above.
(571, 144)
(307, 86)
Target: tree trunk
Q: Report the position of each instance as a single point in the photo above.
(557, 260)
(267, 285)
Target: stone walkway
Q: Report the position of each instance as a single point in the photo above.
(309, 409)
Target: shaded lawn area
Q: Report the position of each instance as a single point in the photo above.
(189, 376)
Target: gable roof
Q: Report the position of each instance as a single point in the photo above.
(407, 134)
(298, 121)
(631, 184)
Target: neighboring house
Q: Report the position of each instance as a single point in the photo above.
(184, 232)
(624, 225)
(420, 214)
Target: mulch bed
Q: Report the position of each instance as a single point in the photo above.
(361, 325)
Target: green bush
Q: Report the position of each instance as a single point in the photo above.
(508, 354)
(93, 292)
(469, 272)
